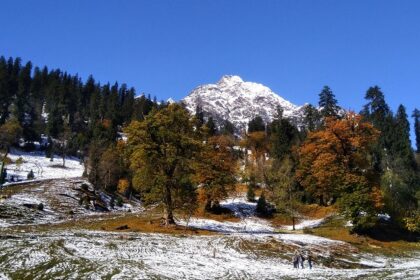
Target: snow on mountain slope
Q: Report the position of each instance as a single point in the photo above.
(238, 101)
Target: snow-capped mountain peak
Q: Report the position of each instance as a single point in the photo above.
(170, 100)
(238, 101)
(230, 80)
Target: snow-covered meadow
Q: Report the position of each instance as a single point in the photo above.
(42, 167)
(248, 249)
(100, 255)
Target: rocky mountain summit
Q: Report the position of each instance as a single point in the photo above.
(239, 101)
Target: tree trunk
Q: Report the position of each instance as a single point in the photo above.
(168, 216)
(3, 164)
(293, 221)
(321, 200)
(1, 173)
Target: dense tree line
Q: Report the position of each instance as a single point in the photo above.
(78, 118)
(363, 163)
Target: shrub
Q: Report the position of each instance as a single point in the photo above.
(123, 187)
(261, 205)
(119, 202)
(30, 175)
(250, 195)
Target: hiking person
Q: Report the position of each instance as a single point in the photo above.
(301, 259)
(295, 260)
(309, 257)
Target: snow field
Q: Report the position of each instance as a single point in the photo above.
(42, 167)
(96, 255)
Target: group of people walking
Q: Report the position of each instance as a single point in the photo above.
(299, 258)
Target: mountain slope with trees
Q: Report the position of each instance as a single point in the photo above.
(165, 154)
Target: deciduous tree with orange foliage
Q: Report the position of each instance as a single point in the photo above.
(335, 163)
(216, 169)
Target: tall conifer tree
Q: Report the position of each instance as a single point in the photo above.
(328, 103)
(416, 116)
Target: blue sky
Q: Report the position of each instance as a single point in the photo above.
(166, 48)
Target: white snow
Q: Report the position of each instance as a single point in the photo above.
(247, 225)
(306, 224)
(170, 101)
(99, 255)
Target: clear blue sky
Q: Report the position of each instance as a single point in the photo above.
(166, 48)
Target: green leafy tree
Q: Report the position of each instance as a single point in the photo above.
(162, 157)
(111, 168)
(250, 194)
(282, 188)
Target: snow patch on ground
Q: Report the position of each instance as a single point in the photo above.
(60, 200)
(241, 208)
(41, 166)
(247, 225)
(306, 224)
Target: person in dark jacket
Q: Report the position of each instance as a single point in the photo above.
(309, 257)
(301, 260)
(295, 260)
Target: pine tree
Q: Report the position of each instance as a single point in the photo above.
(211, 126)
(227, 128)
(416, 116)
(402, 143)
(377, 110)
(400, 180)
(199, 116)
(250, 194)
(5, 98)
(261, 205)
(256, 124)
(312, 118)
(328, 103)
(379, 114)
(283, 136)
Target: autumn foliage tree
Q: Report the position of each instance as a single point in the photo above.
(258, 144)
(335, 164)
(216, 169)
